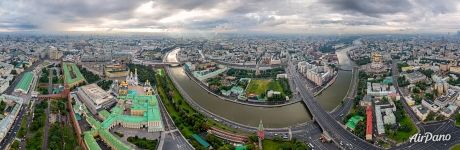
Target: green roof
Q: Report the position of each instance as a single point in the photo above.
(353, 121)
(25, 82)
(388, 80)
(242, 147)
(147, 103)
(71, 67)
(93, 122)
(105, 114)
(90, 141)
(112, 140)
(200, 140)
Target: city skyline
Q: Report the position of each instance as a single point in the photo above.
(288, 16)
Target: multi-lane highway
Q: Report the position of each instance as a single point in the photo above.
(171, 137)
(338, 133)
(348, 100)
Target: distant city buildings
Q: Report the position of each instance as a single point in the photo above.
(116, 71)
(54, 53)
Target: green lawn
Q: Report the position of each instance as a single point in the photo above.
(401, 136)
(143, 142)
(455, 147)
(457, 119)
(15, 145)
(270, 145)
(276, 86)
(23, 129)
(258, 86)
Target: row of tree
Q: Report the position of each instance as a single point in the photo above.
(89, 76)
(143, 72)
(242, 73)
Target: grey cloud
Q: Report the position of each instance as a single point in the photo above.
(351, 22)
(374, 8)
(117, 9)
(439, 6)
(240, 15)
(189, 4)
(18, 26)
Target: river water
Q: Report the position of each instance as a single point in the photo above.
(275, 117)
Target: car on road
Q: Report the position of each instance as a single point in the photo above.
(310, 145)
(285, 136)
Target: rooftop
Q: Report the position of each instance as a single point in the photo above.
(97, 94)
(353, 121)
(25, 82)
(71, 73)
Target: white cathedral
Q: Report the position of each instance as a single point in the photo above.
(132, 79)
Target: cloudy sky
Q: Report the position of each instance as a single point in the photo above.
(277, 16)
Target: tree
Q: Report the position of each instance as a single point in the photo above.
(429, 96)
(2, 106)
(430, 116)
(427, 72)
(457, 119)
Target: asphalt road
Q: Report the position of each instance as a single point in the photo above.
(173, 139)
(347, 102)
(14, 129)
(17, 123)
(340, 136)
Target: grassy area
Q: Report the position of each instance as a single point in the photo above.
(184, 116)
(89, 76)
(282, 145)
(62, 137)
(455, 147)
(403, 134)
(457, 119)
(58, 106)
(34, 142)
(143, 142)
(258, 86)
(241, 73)
(15, 145)
(23, 129)
(35, 138)
(2, 107)
(174, 103)
(261, 86)
(404, 128)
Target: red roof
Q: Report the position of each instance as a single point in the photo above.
(369, 120)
